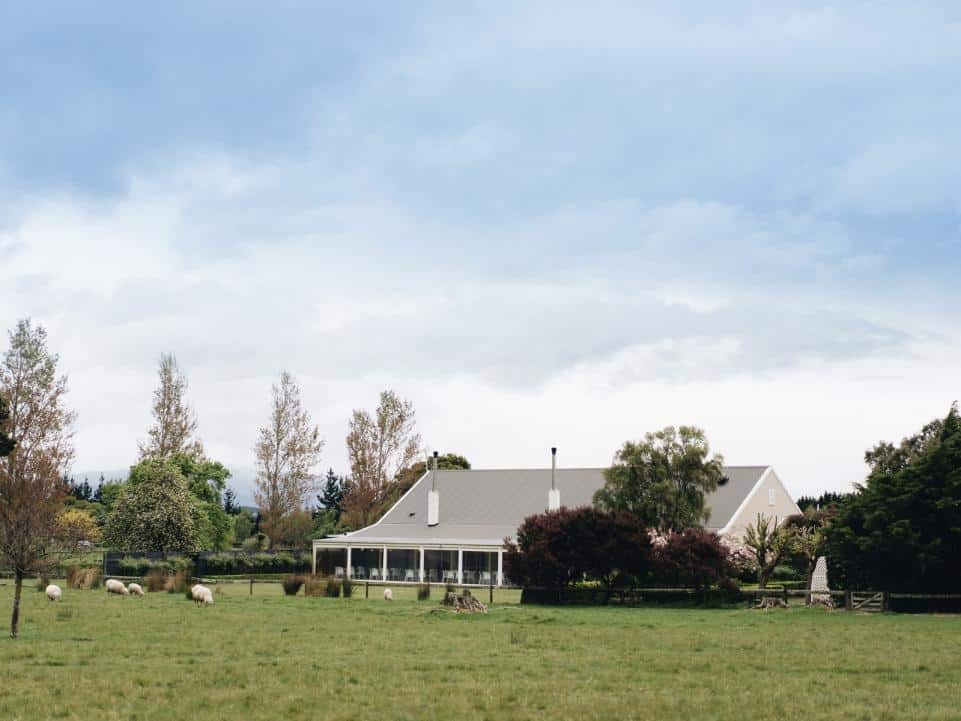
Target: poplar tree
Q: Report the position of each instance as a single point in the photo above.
(174, 429)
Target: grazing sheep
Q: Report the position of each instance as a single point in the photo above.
(53, 592)
(201, 594)
(114, 586)
(135, 589)
(388, 595)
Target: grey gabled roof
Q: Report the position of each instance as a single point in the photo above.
(485, 506)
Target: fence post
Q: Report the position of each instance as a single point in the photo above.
(885, 602)
(366, 589)
(491, 587)
(251, 585)
(848, 601)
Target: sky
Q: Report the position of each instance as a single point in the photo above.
(543, 223)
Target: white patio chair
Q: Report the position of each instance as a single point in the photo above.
(338, 571)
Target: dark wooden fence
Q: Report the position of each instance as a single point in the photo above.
(865, 601)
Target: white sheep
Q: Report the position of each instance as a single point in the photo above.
(53, 592)
(114, 586)
(135, 589)
(201, 594)
(388, 595)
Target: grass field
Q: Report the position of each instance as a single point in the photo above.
(270, 657)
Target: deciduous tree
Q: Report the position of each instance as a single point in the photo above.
(287, 450)
(155, 511)
(663, 479)
(559, 548)
(6, 442)
(175, 424)
(31, 476)
(768, 542)
(378, 447)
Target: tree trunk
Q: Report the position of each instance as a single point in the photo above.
(15, 619)
(762, 578)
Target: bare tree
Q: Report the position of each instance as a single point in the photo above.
(31, 476)
(287, 450)
(378, 448)
(175, 423)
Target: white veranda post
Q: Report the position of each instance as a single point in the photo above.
(500, 568)
(383, 574)
(349, 570)
(460, 565)
(421, 564)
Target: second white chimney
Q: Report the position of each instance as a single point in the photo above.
(553, 495)
(433, 498)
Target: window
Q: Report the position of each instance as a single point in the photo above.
(770, 496)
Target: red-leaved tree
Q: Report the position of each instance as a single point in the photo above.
(559, 548)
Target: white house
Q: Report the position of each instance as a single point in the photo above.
(451, 525)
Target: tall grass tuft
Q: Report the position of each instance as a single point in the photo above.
(155, 580)
(177, 583)
(84, 578)
(333, 588)
(423, 592)
(314, 585)
(291, 584)
(347, 587)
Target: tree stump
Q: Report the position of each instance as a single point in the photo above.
(465, 603)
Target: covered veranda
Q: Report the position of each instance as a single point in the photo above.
(363, 560)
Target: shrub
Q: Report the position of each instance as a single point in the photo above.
(423, 592)
(292, 584)
(786, 573)
(141, 566)
(219, 563)
(347, 587)
(694, 557)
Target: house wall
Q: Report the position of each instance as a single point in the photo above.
(760, 502)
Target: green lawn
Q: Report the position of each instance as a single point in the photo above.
(270, 657)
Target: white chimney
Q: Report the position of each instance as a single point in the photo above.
(553, 495)
(433, 499)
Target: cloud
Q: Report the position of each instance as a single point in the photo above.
(538, 221)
